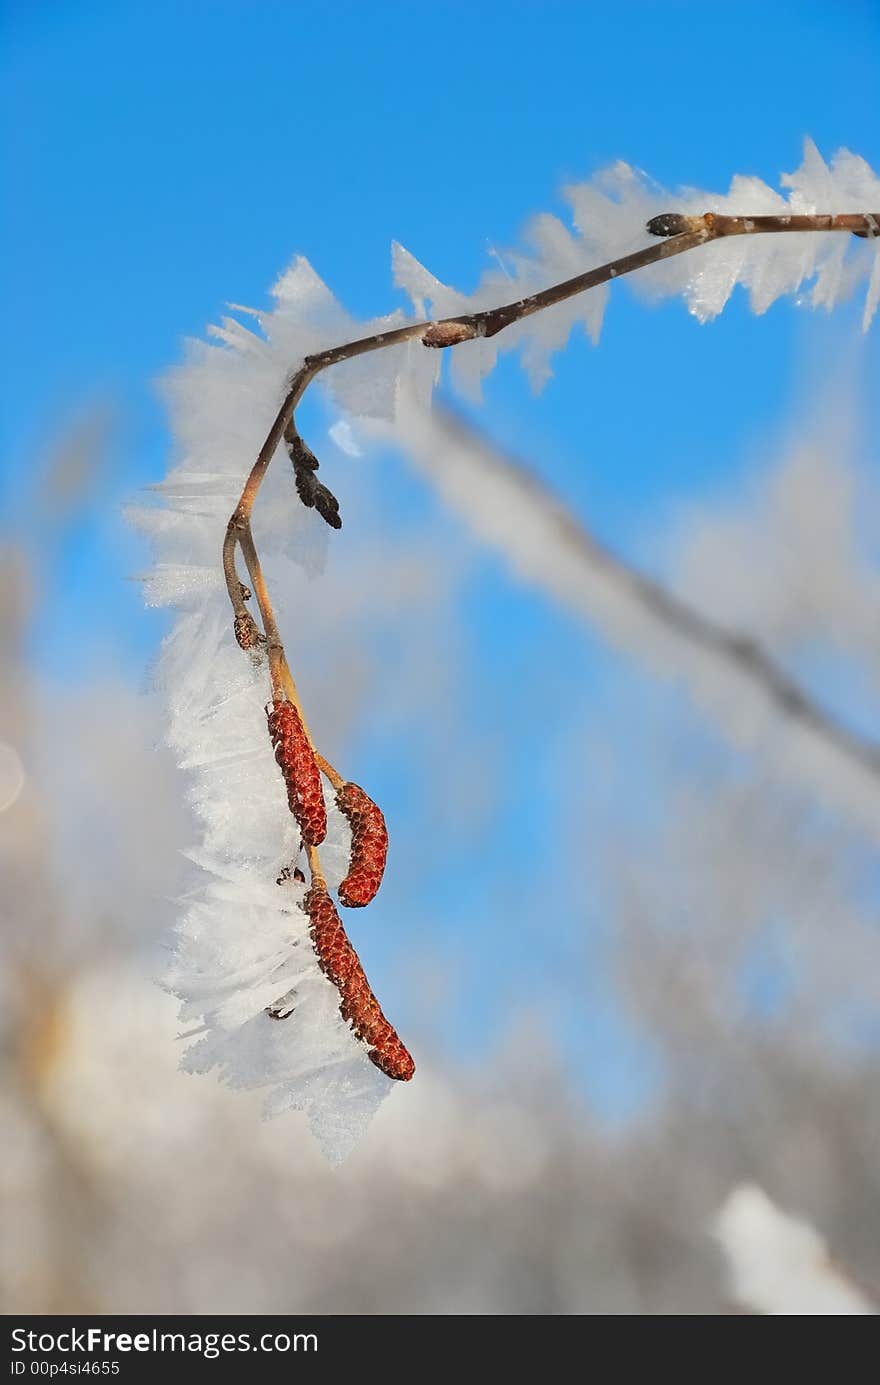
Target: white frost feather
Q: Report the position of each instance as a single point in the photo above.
(242, 941)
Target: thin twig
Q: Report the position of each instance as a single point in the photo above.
(283, 684)
(315, 868)
(333, 775)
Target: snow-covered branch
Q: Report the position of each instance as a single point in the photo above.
(779, 1265)
(249, 949)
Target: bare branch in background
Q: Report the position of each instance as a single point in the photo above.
(75, 463)
(676, 234)
(508, 505)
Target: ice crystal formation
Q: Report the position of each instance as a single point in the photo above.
(272, 994)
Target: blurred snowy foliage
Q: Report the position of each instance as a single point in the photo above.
(779, 1265)
(242, 941)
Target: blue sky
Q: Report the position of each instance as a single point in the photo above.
(162, 159)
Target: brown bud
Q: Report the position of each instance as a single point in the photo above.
(677, 224)
(442, 334)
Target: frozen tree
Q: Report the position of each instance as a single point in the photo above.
(272, 992)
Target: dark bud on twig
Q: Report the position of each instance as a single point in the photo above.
(328, 507)
(315, 495)
(669, 224)
(301, 454)
(312, 492)
(306, 485)
(246, 592)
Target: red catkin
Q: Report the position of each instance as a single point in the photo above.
(369, 846)
(339, 961)
(305, 793)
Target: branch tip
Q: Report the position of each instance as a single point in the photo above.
(671, 224)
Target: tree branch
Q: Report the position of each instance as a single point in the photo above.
(677, 234)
